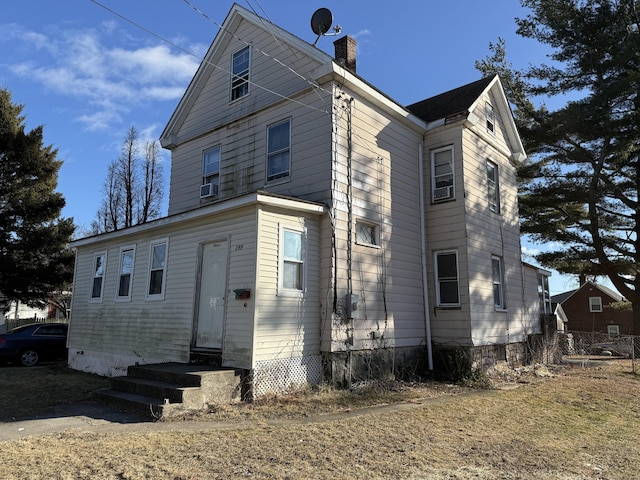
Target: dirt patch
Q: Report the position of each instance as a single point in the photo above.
(33, 391)
(569, 423)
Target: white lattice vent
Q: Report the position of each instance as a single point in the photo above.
(283, 374)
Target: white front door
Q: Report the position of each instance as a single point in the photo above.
(213, 284)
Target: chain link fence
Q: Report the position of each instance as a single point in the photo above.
(593, 344)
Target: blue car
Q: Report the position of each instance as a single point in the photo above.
(32, 343)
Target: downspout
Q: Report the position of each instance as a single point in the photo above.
(423, 244)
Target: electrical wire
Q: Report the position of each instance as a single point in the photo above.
(221, 27)
(203, 60)
(290, 52)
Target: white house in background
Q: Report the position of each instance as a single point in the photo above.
(316, 227)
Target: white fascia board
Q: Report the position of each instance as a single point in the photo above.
(518, 154)
(198, 213)
(212, 59)
(332, 71)
(291, 204)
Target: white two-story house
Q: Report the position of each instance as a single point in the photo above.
(316, 227)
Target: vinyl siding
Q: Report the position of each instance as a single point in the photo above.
(385, 192)
(163, 328)
(270, 81)
(244, 156)
(287, 326)
(493, 234)
(446, 230)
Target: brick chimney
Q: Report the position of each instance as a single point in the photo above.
(346, 52)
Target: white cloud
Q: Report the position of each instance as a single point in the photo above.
(109, 80)
(529, 252)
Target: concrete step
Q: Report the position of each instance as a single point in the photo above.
(142, 405)
(191, 397)
(160, 390)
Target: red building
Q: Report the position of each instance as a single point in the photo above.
(588, 309)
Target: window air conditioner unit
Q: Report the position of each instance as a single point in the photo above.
(443, 193)
(208, 190)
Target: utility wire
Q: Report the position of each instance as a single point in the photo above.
(291, 52)
(188, 52)
(313, 84)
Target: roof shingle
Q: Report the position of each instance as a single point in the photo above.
(449, 103)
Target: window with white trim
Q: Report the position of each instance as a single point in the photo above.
(97, 285)
(157, 269)
(613, 330)
(127, 255)
(446, 270)
(367, 234)
(497, 273)
(210, 172)
(442, 174)
(543, 293)
(240, 64)
(493, 187)
(595, 304)
(491, 125)
(278, 150)
(291, 278)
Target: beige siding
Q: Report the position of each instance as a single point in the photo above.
(287, 326)
(385, 192)
(496, 234)
(270, 81)
(163, 328)
(243, 156)
(446, 230)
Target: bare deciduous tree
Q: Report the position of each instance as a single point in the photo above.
(132, 190)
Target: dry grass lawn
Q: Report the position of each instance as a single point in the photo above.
(580, 423)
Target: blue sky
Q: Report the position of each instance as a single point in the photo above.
(87, 74)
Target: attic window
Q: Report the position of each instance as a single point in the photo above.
(490, 119)
(493, 187)
(240, 73)
(595, 304)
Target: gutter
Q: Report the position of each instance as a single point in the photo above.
(423, 245)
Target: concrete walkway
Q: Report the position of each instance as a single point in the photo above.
(94, 417)
(67, 417)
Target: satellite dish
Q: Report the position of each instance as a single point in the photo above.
(321, 21)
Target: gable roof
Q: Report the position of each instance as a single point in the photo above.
(456, 101)
(421, 116)
(212, 60)
(563, 297)
(462, 101)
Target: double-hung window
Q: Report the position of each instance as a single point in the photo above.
(97, 286)
(491, 124)
(157, 269)
(127, 255)
(442, 174)
(497, 272)
(493, 187)
(240, 63)
(446, 269)
(292, 261)
(595, 304)
(543, 293)
(278, 150)
(210, 172)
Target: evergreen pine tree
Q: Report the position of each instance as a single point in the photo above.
(34, 259)
(580, 189)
